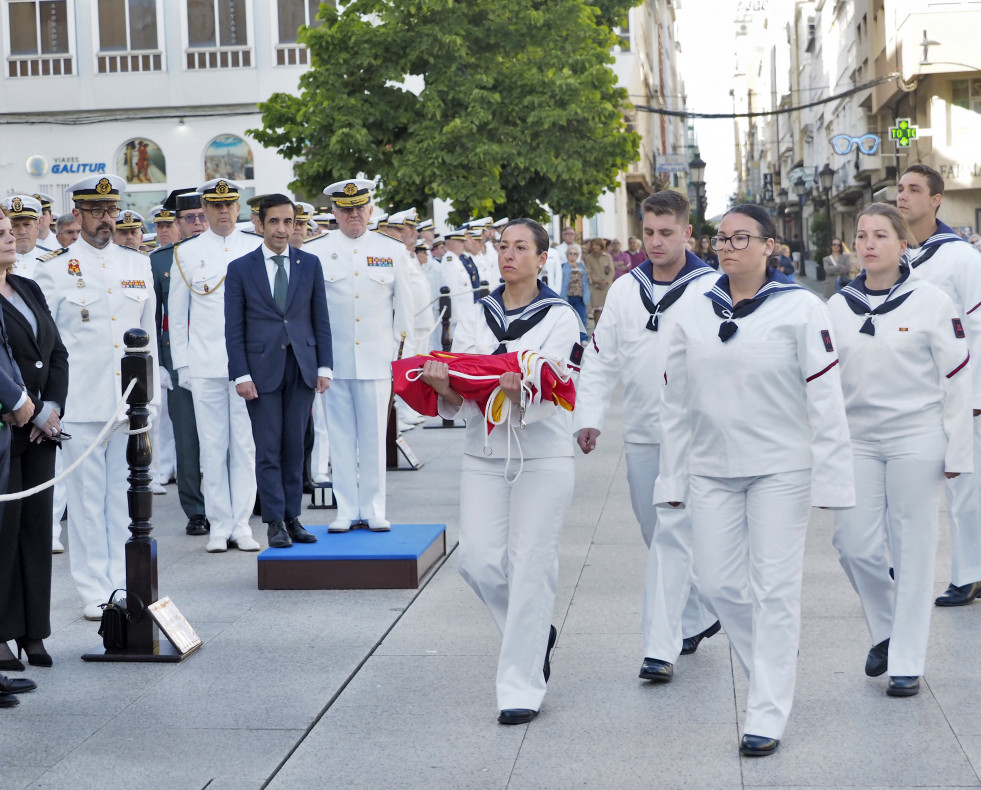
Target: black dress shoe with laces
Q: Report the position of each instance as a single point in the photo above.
(878, 660)
(298, 532)
(552, 634)
(959, 596)
(757, 745)
(16, 685)
(657, 670)
(8, 700)
(516, 716)
(903, 686)
(690, 643)
(277, 535)
(197, 525)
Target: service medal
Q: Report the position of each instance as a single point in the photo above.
(80, 283)
(85, 314)
(206, 288)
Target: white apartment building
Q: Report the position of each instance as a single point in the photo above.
(160, 92)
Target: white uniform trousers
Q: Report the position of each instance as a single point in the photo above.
(964, 514)
(320, 457)
(227, 456)
(98, 515)
(749, 554)
(60, 498)
(672, 607)
(509, 542)
(902, 479)
(357, 419)
(162, 442)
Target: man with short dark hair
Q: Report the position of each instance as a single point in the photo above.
(631, 343)
(946, 260)
(277, 334)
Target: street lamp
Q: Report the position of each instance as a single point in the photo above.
(800, 189)
(827, 179)
(696, 170)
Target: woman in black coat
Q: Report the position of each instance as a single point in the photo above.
(25, 532)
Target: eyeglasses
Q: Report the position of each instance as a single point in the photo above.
(193, 217)
(738, 241)
(99, 213)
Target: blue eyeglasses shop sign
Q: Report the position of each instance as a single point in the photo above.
(867, 144)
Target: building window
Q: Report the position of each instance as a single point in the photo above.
(217, 35)
(966, 94)
(291, 16)
(128, 36)
(39, 44)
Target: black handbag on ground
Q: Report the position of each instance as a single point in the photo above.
(115, 616)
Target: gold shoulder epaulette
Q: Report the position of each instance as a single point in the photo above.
(53, 254)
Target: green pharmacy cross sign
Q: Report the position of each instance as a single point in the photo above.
(902, 132)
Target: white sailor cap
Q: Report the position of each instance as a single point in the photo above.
(479, 224)
(500, 223)
(220, 190)
(426, 223)
(108, 187)
(380, 220)
(438, 239)
(456, 233)
(21, 206)
(403, 218)
(304, 211)
(351, 192)
(421, 246)
(128, 219)
(160, 215)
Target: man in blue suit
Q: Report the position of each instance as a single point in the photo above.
(277, 335)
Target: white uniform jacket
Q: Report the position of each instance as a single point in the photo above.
(954, 266)
(95, 296)
(27, 263)
(369, 301)
(626, 346)
(196, 305)
(912, 376)
(458, 280)
(547, 431)
(767, 400)
(423, 312)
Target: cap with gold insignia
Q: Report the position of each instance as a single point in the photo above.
(220, 190)
(304, 211)
(108, 187)
(128, 219)
(21, 206)
(46, 200)
(160, 215)
(426, 223)
(403, 218)
(350, 193)
(253, 203)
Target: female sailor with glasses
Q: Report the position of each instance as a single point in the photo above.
(753, 435)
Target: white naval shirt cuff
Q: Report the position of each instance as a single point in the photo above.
(242, 379)
(325, 373)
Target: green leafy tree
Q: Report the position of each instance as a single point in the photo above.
(503, 107)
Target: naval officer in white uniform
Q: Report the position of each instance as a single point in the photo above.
(96, 291)
(370, 305)
(196, 316)
(24, 213)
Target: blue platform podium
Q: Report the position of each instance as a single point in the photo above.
(355, 560)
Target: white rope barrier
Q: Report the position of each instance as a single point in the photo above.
(88, 451)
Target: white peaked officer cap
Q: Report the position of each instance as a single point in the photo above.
(351, 192)
(304, 211)
(160, 215)
(426, 223)
(128, 219)
(107, 187)
(220, 190)
(21, 206)
(501, 222)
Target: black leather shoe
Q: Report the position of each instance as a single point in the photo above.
(16, 685)
(552, 634)
(8, 700)
(959, 596)
(878, 660)
(903, 686)
(516, 716)
(690, 643)
(297, 531)
(196, 525)
(278, 537)
(656, 670)
(757, 745)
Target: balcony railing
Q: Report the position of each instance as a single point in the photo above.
(219, 58)
(291, 55)
(122, 62)
(39, 65)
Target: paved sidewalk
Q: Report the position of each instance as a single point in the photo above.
(395, 689)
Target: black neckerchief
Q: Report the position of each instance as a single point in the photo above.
(943, 235)
(776, 284)
(856, 297)
(694, 268)
(473, 273)
(531, 314)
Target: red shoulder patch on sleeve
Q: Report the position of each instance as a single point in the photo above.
(826, 337)
(958, 327)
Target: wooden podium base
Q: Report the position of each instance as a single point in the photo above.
(355, 560)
